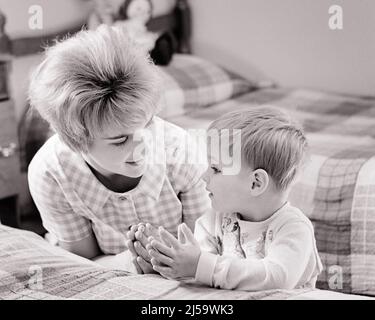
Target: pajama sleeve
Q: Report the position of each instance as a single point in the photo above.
(206, 236)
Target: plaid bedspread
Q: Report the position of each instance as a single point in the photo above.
(337, 188)
(32, 269)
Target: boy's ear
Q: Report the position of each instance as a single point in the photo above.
(259, 181)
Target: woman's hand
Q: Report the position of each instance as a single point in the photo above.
(172, 258)
(138, 240)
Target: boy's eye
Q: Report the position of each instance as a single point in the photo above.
(216, 170)
(121, 143)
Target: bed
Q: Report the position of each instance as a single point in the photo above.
(336, 191)
(32, 269)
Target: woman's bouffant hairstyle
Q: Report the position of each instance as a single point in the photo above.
(92, 81)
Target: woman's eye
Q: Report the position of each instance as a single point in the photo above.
(118, 144)
(216, 170)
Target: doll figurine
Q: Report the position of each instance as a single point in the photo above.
(133, 15)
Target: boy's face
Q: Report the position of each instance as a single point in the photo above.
(119, 151)
(231, 192)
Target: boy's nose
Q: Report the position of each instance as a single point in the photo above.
(138, 150)
(205, 177)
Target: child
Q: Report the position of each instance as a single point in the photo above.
(99, 175)
(256, 240)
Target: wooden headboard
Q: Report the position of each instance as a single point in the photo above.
(178, 22)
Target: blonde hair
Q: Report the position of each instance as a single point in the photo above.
(91, 81)
(270, 140)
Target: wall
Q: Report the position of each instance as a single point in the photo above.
(289, 41)
(57, 15)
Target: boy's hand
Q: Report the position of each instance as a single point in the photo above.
(172, 258)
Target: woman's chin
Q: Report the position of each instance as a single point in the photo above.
(134, 171)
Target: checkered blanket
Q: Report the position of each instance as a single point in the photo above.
(32, 269)
(337, 188)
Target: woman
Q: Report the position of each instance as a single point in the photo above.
(99, 175)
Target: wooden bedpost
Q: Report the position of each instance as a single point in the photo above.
(10, 168)
(183, 29)
(5, 44)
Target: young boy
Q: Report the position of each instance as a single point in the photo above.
(100, 174)
(256, 240)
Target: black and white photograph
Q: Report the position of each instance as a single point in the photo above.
(201, 152)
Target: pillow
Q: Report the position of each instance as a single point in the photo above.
(191, 82)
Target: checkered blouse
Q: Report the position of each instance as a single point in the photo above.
(73, 203)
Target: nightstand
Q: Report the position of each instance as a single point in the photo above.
(9, 156)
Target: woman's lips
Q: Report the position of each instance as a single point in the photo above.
(134, 163)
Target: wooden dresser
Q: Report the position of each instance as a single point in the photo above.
(9, 155)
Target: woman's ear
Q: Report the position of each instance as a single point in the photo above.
(259, 181)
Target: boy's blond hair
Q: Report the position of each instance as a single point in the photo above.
(270, 140)
(93, 81)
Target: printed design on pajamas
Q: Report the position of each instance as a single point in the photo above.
(231, 238)
(241, 243)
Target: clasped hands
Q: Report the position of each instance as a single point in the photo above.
(157, 250)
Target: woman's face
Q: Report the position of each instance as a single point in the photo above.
(119, 151)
